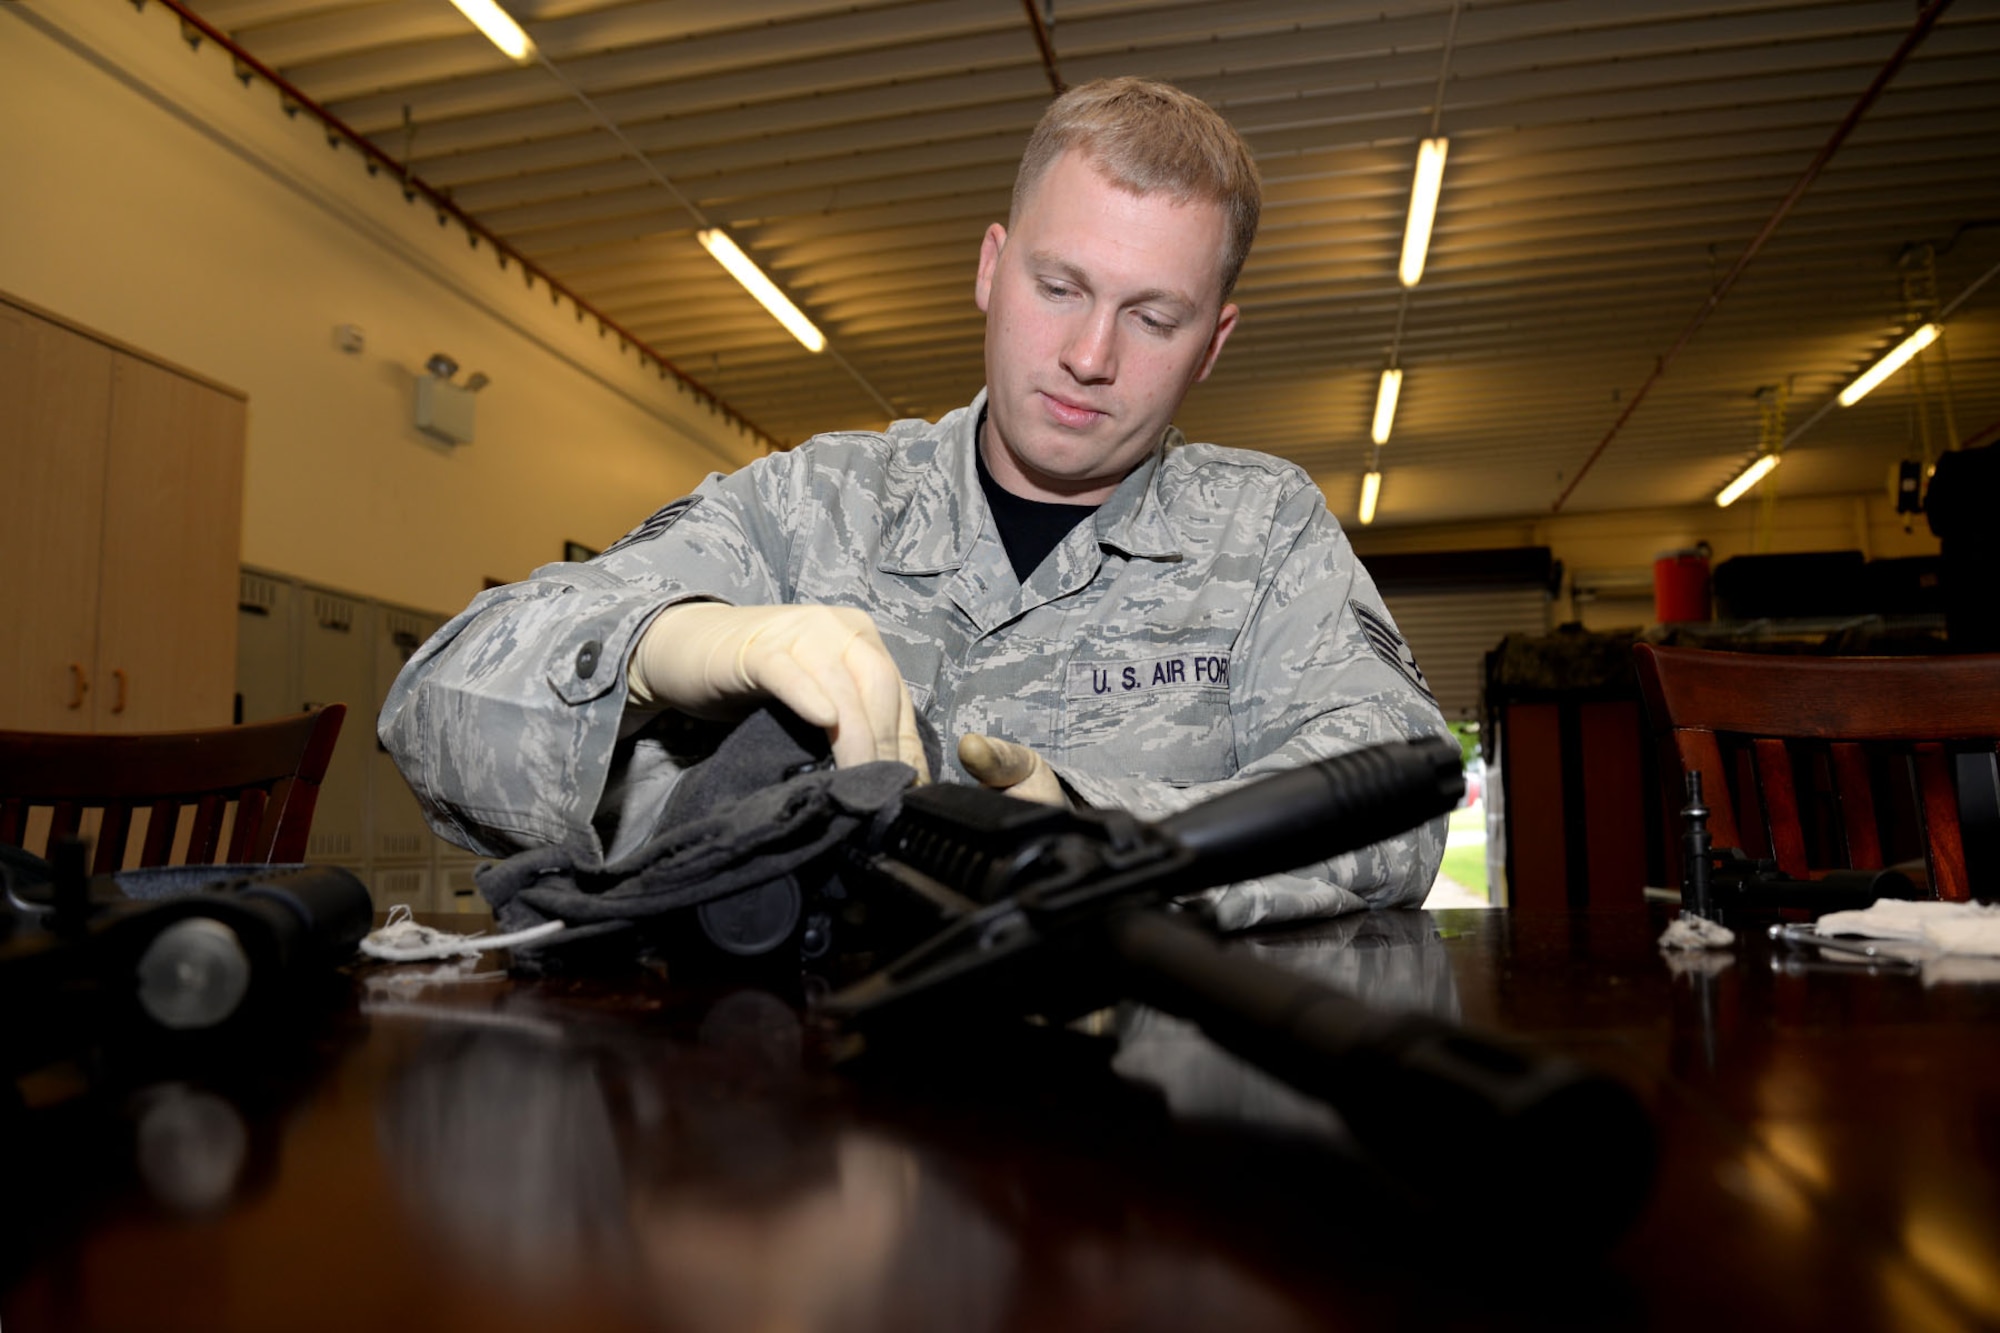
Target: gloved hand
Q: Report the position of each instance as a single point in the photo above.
(825, 663)
(1014, 769)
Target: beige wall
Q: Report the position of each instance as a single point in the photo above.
(1617, 548)
(145, 193)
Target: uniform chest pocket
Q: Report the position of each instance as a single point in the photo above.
(1165, 718)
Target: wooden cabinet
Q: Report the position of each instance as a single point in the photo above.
(119, 534)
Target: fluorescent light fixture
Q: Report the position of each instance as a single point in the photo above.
(1750, 477)
(1423, 209)
(499, 27)
(1889, 364)
(1371, 491)
(1386, 394)
(740, 267)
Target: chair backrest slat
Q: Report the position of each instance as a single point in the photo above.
(1937, 799)
(1701, 754)
(249, 818)
(162, 822)
(1856, 794)
(1781, 805)
(1751, 821)
(112, 832)
(284, 838)
(206, 831)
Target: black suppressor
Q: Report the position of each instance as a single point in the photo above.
(83, 963)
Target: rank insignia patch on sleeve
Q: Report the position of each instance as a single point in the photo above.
(1389, 646)
(663, 518)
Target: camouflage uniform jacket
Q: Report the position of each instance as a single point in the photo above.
(1208, 625)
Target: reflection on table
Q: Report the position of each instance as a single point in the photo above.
(453, 1147)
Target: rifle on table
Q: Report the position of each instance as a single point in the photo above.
(1055, 913)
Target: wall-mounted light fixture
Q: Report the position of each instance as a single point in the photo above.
(444, 410)
(1889, 364)
(1749, 477)
(499, 27)
(742, 268)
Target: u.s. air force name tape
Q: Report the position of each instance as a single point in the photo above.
(1177, 671)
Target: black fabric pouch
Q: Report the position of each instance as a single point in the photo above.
(766, 813)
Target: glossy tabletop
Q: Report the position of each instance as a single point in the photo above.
(452, 1148)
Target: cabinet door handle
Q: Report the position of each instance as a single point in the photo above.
(79, 684)
(118, 700)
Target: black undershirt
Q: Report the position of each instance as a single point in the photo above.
(1029, 529)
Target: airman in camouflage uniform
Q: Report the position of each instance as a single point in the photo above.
(1209, 624)
(1203, 623)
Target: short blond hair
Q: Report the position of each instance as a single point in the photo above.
(1149, 137)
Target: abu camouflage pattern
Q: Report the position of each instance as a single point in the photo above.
(1200, 630)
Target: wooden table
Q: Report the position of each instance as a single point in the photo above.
(617, 1152)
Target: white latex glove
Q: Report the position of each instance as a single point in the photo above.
(825, 663)
(1014, 769)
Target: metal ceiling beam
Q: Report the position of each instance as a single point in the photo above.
(1045, 45)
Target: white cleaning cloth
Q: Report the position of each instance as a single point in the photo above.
(1953, 928)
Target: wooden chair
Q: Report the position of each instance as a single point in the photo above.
(1827, 762)
(271, 771)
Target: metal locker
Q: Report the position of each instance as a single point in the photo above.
(398, 828)
(408, 885)
(455, 890)
(267, 668)
(334, 667)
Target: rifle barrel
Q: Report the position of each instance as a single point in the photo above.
(1325, 808)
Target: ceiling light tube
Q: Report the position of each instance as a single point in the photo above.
(1889, 364)
(1371, 491)
(1749, 477)
(499, 27)
(741, 268)
(1386, 394)
(1424, 189)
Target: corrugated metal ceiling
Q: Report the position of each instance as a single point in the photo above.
(1609, 163)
